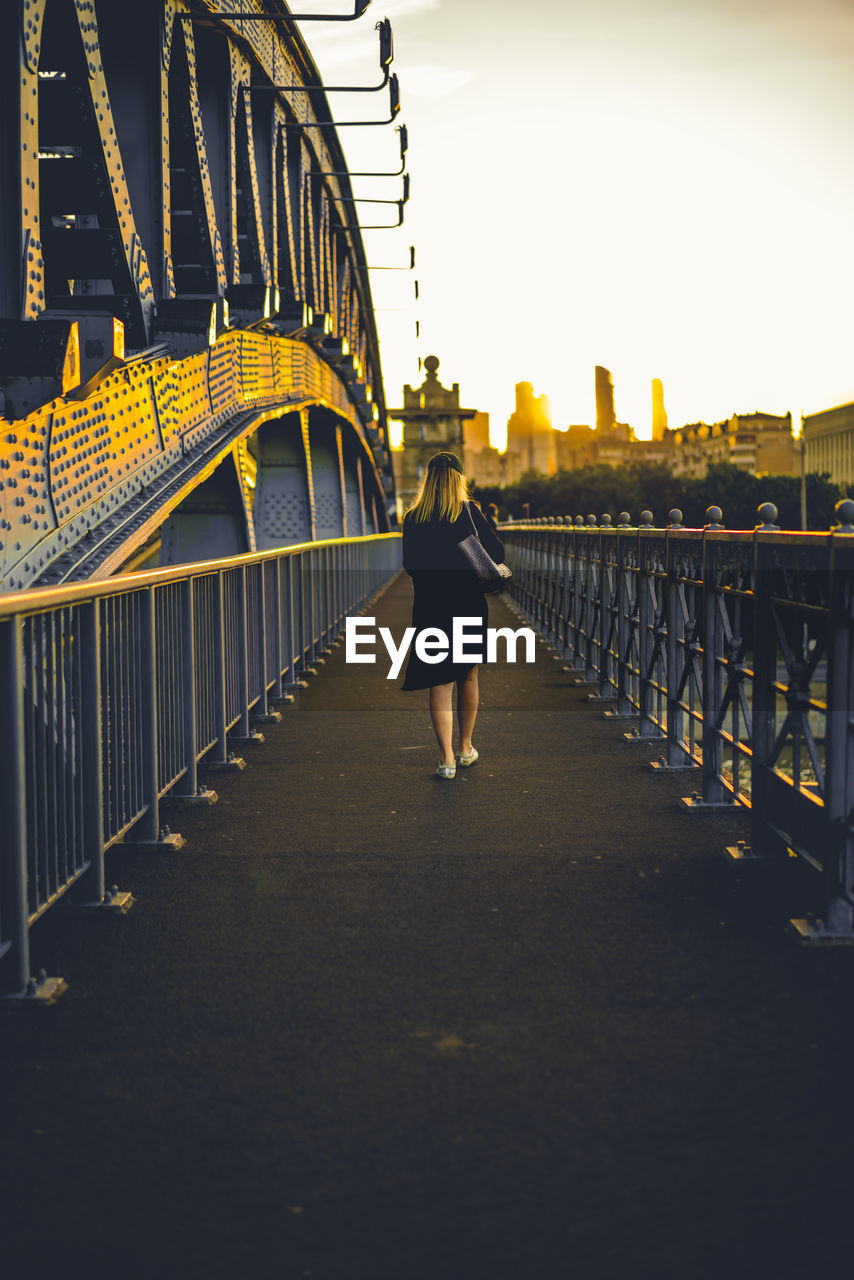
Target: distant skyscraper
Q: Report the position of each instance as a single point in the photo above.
(476, 432)
(659, 414)
(606, 418)
(529, 430)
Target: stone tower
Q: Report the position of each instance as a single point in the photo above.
(432, 422)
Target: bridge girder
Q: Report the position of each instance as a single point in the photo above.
(179, 264)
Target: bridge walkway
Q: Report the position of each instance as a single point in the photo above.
(371, 1026)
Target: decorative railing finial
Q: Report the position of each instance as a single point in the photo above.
(845, 515)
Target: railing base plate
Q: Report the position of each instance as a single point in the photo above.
(204, 796)
(646, 738)
(42, 991)
(272, 717)
(661, 766)
(169, 842)
(743, 855)
(813, 933)
(234, 764)
(613, 714)
(113, 900)
(253, 740)
(601, 697)
(283, 697)
(696, 804)
(582, 681)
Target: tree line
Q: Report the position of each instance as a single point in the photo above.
(599, 489)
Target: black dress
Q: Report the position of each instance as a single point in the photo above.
(445, 588)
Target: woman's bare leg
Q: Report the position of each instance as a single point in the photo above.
(442, 715)
(468, 696)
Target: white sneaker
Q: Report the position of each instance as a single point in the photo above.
(468, 758)
(446, 771)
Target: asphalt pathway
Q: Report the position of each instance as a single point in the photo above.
(373, 1026)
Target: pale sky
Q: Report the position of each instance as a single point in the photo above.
(664, 187)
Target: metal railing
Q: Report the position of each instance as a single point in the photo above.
(112, 693)
(734, 651)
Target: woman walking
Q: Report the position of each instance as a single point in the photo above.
(446, 588)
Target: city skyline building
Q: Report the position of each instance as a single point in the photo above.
(530, 432)
(659, 413)
(828, 442)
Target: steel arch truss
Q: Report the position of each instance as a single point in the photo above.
(177, 264)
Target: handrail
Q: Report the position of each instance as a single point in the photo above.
(113, 693)
(730, 649)
(19, 602)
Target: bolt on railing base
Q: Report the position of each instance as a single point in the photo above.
(233, 764)
(38, 991)
(814, 933)
(167, 842)
(204, 796)
(113, 900)
(254, 739)
(696, 804)
(272, 717)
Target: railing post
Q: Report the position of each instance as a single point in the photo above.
(189, 784)
(220, 752)
(713, 683)
(607, 604)
(290, 621)
(277, 694)
(92, 762)
(147, 833)
(15, 940)
(149, 823)
(675, 753)
(243, 734)
(764, 843)
(837, 854)
(262, 713)
(13, 810)
(242, 729)
(94, 882)
(221, 758)
(650, 636)
(626, 619)
(187, 789)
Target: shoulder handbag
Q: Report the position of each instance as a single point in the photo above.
(491, 576)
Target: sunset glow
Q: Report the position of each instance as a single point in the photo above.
(661, 188)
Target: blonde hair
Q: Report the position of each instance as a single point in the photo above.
(441, 496)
